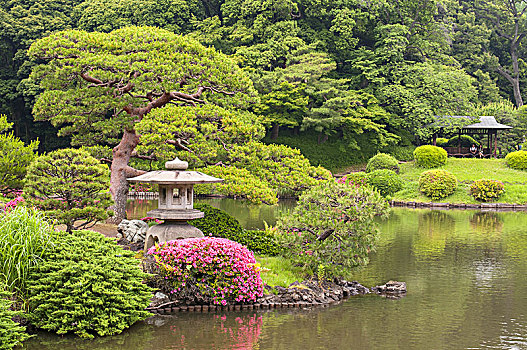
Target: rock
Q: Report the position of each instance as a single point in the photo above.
(133, 230)
(391, 287)
(160, 295)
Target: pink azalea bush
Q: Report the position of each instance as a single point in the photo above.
(221, 269)
(13, 203)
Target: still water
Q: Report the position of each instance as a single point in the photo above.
(466, 274)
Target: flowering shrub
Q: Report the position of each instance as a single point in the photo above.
(217, 268)
(332, 228)
(486, 190)
(387, 182)
(151, 221)
(437, 184)
(429, 156)
(517, 160)
(353, 179)
(13, 203)
(382, 161)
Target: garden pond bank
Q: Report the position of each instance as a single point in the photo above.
(480, 258)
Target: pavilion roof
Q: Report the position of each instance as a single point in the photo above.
(485, 122)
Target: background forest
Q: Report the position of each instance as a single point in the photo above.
(338, 79)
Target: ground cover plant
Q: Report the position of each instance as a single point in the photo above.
(25, 235)
(215, 269)
(70, 186)
(88, 285)
(429, 156)
(332, 229)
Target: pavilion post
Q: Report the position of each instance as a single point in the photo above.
(459, 141)
(488, 141)
(435, 139)
(495, 143)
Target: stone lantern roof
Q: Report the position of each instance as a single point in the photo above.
(176, 175)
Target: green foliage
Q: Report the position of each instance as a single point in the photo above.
(261, 242)
(466, 141)
(517, 160)
(332, 225)
(386, 181)
(24, 236)
(11, 333)
(486, 190)
(4, 124)
(217, 223)
(86, 284)
(355, 179)
(429, 156)
(284, 105)
(237, 183)
(437, 184)
(69, 185)
(15, 158)
(382, 161)
(441, 141)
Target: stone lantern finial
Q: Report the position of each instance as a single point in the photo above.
(176, 164)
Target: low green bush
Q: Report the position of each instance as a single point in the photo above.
(24, 237)
(88, 285)
(387, 182)
(429, 156)
(517, 160)
(217, 223)
(441, 141)
(437, 184)
(260, 242)
(11, 333)
(466, 141)
(382, 161)
(486, 190)
(355, 179)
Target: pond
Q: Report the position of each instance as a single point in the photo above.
(466, 273)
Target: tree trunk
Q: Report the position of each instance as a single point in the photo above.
(119, 172)
(274, 131)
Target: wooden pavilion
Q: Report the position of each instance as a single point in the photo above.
(487, 125)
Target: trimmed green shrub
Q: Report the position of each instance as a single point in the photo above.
(517, 160)
(11, 333)
(15, 157)
(217, 223)
(437, 184)
(486, 190)
(69, 185)
(441, 141)
(387, 182)
(466, 141)
(260, 242)
(382, 161)
(353, 179)
(332, 229)
(429, 156)
(87, 284)
(24, 237)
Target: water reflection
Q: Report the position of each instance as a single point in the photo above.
(486, 222)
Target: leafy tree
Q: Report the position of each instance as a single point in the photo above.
(99, 86)
(69, 185)
(15, 157)
(332, 227)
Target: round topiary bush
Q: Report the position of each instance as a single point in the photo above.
(517, 160)
(87, 284)
(441, 141)
(486, 190)
(217, 223)
(466, 141)
(429, 156)
(382, 161)
(207, 269)
(437, 184)
(387, 182)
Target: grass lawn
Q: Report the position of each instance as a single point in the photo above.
(468, 170)
(278, 271)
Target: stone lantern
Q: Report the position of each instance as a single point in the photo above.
(175, 203)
